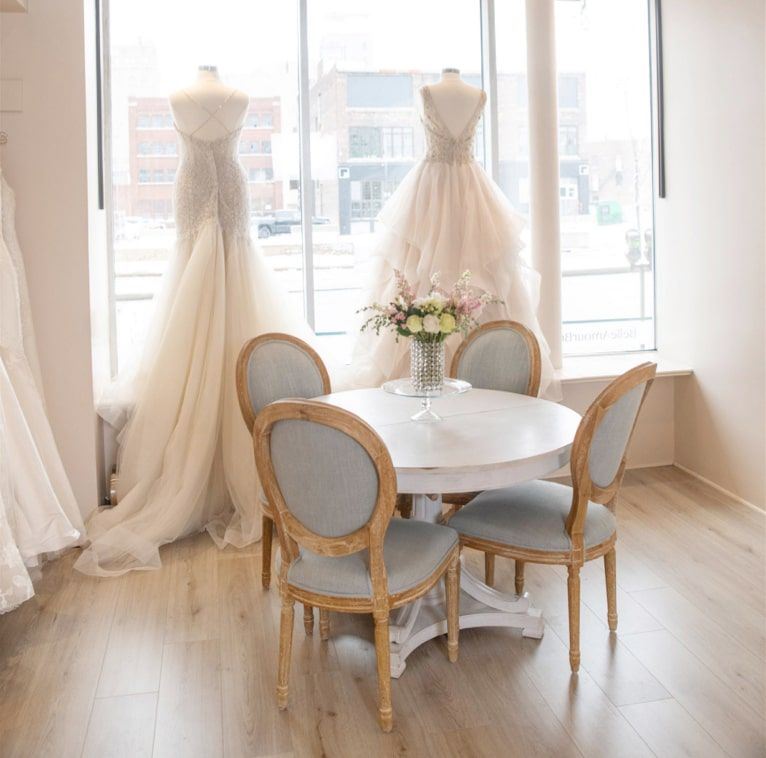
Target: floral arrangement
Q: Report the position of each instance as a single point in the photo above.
(431, 318)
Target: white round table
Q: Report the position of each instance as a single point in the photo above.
(486, 440)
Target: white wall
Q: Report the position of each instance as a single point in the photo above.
(46, 163)
(710, 238)
(652, 441)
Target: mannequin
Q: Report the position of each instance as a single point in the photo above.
(455, 100)
(193, 107)
(184, 464)
(447, 216)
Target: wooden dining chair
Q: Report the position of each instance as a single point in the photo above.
(333, 487)
(272, 367)
(546, 522)
(505, 356)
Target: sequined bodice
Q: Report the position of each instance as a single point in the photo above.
(442, 147)
(211, 183)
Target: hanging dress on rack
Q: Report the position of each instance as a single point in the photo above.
(38, 507)
(447, 216)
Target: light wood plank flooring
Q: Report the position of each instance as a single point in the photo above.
(181, 662)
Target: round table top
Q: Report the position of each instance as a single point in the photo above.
(486, 439)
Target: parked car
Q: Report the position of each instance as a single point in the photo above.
(281, 222)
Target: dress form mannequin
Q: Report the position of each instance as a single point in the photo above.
(455, 100)
(193, 107)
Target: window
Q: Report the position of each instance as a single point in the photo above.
(364, 142)
(363, 135)
(397, 142)
(365, 69)
(378, 90)
(568, 85)
(567, 140)
(260, 175)
(605, 172)
(148, 61)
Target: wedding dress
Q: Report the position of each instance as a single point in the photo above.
(447, 216)
(38, 511)
(185, 460)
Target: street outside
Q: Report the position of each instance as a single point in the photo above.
(599, 286)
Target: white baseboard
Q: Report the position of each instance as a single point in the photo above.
(720, 489)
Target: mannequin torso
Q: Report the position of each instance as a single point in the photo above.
(208, 109)
(455, 100)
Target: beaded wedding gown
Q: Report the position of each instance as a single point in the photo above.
(447, 216)
(38, 511)
(186, 460)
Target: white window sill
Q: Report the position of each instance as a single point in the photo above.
(599, 368)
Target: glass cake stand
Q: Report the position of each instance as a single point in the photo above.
(426, 414)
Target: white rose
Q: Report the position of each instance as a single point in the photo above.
(431, 324)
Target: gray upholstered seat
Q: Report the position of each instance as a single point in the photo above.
(531, 515)
(412, 549)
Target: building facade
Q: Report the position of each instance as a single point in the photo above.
(379, 138)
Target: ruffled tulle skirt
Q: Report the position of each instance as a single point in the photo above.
(447, 218)
(186, 459)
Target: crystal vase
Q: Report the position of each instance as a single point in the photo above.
(427, 373)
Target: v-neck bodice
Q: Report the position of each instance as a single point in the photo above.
(442, 146)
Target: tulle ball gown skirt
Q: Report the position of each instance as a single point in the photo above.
(447, 218)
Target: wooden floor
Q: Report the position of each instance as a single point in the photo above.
(182, 661)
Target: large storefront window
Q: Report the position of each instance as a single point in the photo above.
(605, 154)
(366, 62)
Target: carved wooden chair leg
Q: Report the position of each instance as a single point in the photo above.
(573, 596)
(519, 579)
(452, 582)
(285, 646)
(610, 569)
(383, 655)
(268, 532)
(324, 624)
(489, 569)
(308, 619)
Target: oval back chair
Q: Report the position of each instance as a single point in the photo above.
(331, 481)
(545, 522)
(271, 367)
(499, 355)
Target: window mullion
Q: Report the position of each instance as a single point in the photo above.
(106, 115)
(306, 185)
(489, 83)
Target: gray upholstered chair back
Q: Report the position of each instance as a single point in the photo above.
(276, 366)
(602, 439)
(502, 355)
(328, 480)
(611, 437)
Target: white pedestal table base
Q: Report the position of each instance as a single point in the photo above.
(480, 605)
